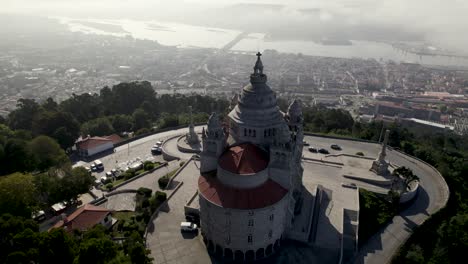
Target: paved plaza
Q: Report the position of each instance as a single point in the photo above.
(169, 245)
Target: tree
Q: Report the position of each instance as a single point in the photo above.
(17, 157)
(49, 188)
(135, 248)
(61, 126)
(97, 250)
(168, 120)
(97, 127)
(50, 105)
(22, 117)
(47, 153)
(57, 245)
(76, 182)
(83, 107)
(17, 194)
(141, 119)
(122, 123)
(10, 226)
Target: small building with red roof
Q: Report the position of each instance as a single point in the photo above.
(86, 218)
(90, 146)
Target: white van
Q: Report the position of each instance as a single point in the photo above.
(188, 227)
(98, 164)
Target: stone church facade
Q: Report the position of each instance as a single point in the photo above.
(251, 173)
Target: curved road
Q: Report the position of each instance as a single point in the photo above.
(433, 195)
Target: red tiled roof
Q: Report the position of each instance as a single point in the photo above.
(114, 138)
(91, 142)
(225, 196)
(244, 159)
(84, 218)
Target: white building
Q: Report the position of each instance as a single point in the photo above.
(90, 146)
(251, 174)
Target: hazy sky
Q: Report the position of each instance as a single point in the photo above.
(442, 22)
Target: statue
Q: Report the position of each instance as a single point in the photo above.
(380, 165)
(192, 137)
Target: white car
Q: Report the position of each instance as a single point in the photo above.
(188, 227)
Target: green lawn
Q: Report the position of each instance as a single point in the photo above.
(123, 215)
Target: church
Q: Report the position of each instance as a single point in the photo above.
(250, 188)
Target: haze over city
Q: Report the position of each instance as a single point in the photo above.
(434, 21)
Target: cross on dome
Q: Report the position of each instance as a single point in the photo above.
(258, 68)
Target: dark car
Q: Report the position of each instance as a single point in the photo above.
(312, 149)
(323, 151)
(192, 218)
(335, 147)
(156, 150)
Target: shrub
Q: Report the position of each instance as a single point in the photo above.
(359, 153)
(144, 191)
(149, 166)
(145, 203)
(142, 131)
(163, 181)
(127, 175)
(139, 217)
(160, 196)
(182, 163)
(109, 186)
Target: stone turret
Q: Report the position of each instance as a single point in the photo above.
(214, 143)
(294, 114)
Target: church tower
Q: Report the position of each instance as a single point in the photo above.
(214, 142)
(248, 198)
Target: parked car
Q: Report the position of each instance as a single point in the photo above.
(192, 218)
(99, 165)
(156, 150)
(93, 168)
(335, 147)
(323, 151)
(305, 143)
(39, 216)
(188, 227)
(116, 172)
(105, 179)
(312, 149)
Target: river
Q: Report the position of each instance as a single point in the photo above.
(186, 36)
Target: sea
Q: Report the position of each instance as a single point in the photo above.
(189, 36)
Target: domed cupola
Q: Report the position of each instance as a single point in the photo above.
(256, 118)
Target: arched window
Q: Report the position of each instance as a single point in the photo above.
(249, 239)
(251, 222)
